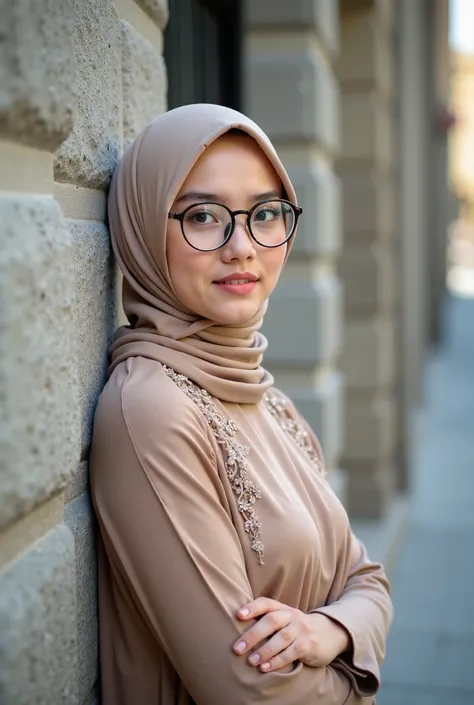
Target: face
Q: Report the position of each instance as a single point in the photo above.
(236, 172)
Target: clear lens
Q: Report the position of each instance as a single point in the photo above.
(205, 225)
(272, 222)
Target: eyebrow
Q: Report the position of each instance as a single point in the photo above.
(202, 196)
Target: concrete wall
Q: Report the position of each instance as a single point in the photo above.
(77, 81)
(461, 165)
(367, 167)
(291, 90)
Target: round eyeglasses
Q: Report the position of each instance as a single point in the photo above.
(209, 226)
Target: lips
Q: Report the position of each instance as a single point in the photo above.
(237, 278)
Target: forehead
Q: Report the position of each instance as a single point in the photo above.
(236, 157)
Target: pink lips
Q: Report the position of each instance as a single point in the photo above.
(238, 283)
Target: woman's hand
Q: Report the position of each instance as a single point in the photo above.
(283, 635)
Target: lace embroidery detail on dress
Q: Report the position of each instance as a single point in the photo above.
(279, 409)
(234, 455)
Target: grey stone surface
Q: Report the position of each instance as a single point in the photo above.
(319, 194)
(38, 625)
(312, 312)
(309, 109)
(323, 15)
(94, 314)
(79, 518)
(88, 157)
(431, 648)
(156, 9)
(322, 406)
(39, 446)
(144, 82)
(37, 71)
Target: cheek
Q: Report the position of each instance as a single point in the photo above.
(274, 261)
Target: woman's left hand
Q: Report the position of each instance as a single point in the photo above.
(284, 635)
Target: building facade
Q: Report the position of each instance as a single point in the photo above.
(348, 93)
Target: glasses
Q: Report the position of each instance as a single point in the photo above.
(209, 226)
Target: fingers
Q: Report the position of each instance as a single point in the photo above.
(260, 606)
(263, 629)
(277, 652)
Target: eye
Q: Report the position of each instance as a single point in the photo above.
(201, 216)
(267, 213)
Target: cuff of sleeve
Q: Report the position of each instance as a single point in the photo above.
(357, 663)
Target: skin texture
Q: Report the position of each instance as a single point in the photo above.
(236, 171)
(284, 635)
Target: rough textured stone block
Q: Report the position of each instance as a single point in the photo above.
(38, 648)
(323, 15)
(94, 302)
(303, 322)
(144, 82)
(368, 359)
(368, 205)
(300, 101)
(38, 386)
(319, 229)
(37, 71)
(79, 518)
(156, 9)
(368, 273)
(89, 155)
(366, 128)
(370, 428)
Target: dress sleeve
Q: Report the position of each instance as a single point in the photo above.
(163, 519)
(364, 609)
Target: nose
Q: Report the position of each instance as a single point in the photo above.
(241, 245)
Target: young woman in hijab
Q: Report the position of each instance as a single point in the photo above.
(228, 573)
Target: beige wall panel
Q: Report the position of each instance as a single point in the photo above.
(321, 15)
(300, 100)
(369, 279)
(368, 360)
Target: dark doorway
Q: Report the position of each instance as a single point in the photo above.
(202, 52)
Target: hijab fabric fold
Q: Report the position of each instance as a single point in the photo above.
(225, 360)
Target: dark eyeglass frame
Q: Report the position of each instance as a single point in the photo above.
(180, 216)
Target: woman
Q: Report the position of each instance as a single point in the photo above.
(228, 571)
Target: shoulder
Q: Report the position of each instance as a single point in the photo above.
(140, 394)
(284, 410)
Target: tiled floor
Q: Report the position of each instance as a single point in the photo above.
(430, 657)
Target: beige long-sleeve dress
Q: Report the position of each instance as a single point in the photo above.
(203, 506)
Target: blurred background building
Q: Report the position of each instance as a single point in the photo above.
(356, 97)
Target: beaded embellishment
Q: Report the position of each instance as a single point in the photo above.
(234, 455)
(278, 408)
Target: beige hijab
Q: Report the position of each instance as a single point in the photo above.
(225, 360)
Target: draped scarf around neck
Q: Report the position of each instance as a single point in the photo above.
(223, 359)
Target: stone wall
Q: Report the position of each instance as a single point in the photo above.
(292, 92)
(369, 262)
(78, 80)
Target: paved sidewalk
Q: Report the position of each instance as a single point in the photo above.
(430, 657)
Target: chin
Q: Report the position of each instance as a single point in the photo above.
(235, 314)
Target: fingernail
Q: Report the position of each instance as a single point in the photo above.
(243, 613)
(254, 659)
(265, 666)
(240, 646)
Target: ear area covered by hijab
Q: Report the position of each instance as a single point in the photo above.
(224, 360)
